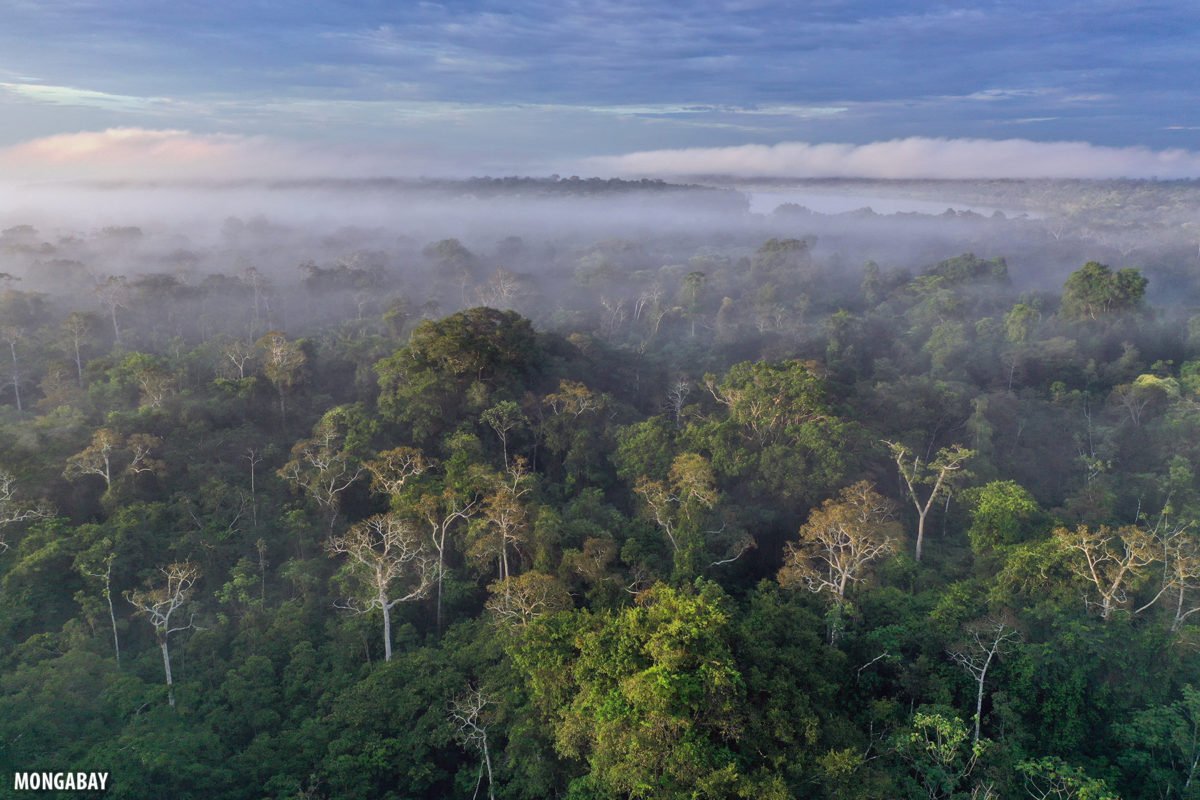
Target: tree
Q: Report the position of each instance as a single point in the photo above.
(108, 450)
(238, 353)
(160, 604)
(442, 511)
(1108, 561)
(453, 366)
(523, 598)
(783, 260)
(504, 521)
(152, 376)
(481, 343)
(1181, 551)
(96, 458)
(677, 394)
(1003, 515)
(89, 563)
(382, 551)
(13, 510)
(113, 293)
(939, 475)
(781, 429)
(772, 401)
(76, 329)
(501, 290)
(393, 469)
(678, 505)
(503, 417)
(693, 286)
(141, 447)
(471, 726)
(14, 334)
(573, 398)
(986, 639)
(1051, 778)
(839, 541)
(935, 745)
(261, 291)
(324, 466)
(657, 699)
(283, 364)
(1095, 291)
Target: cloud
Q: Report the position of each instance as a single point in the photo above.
(126, 153)
(144, 154)
(69, 96)
(908, 158)
(992, 95)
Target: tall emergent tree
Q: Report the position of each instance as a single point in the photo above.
(1109, 561)
(283, 364)
(939, 475)
(839, 542)
(679, 506)
(384, 551)
(325, 466)
(160, 604)
(13, 510)
(986, 639)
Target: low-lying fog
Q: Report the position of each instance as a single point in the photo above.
(59, 238)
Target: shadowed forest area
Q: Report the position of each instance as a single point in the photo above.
(566, 488)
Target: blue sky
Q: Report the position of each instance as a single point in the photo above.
(539, 86)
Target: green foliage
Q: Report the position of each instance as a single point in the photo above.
(1054, 778)
(938, 749)
(636, 644)
(778, 424)
(657, 698)
(1162, 748)
(1001, 515)
(968, 268)
(1094, 291)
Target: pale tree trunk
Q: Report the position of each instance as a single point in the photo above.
(979, 697)
(921, 514)
(989, 638)
(440, 543)
(387, 627)
(16, 376)
(112, 615)
(167, 670)
(487, 759)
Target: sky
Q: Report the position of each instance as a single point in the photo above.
(895, 88)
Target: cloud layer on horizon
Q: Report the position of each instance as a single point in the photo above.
(914, 157)
(141, 154)
(147, 154)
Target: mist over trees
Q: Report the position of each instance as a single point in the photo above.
(603, 489)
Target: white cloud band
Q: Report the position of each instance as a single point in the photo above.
(909, 158)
